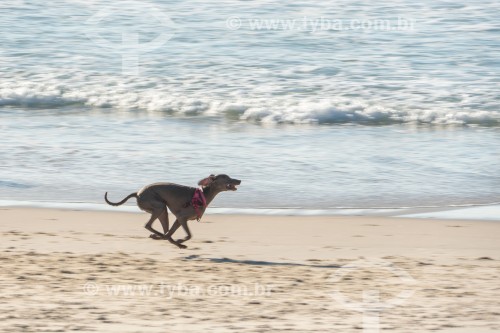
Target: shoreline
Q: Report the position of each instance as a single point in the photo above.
(489, 211)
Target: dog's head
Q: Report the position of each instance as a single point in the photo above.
(220, 182)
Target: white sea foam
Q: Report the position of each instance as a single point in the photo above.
(36, 95)
(468, 213)
(273, 110)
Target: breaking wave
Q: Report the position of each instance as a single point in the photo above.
(284, 109)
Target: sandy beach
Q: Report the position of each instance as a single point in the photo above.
(99, 272)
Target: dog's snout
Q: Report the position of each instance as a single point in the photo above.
(237, 181)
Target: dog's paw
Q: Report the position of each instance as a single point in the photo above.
(182, 246)
(155, 236)
(180, 241)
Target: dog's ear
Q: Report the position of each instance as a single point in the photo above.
(206, 181)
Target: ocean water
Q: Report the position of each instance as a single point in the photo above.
(312, 104)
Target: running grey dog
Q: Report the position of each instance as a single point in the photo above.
(186, 203)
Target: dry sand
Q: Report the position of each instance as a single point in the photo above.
(86, 271)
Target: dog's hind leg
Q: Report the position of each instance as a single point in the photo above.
(168, 235)
(164, 223)
(155, 213)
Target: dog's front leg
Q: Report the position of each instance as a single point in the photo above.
(188, 233)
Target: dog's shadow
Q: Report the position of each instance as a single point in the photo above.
(255, 262)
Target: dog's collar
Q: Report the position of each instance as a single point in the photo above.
(198, 201)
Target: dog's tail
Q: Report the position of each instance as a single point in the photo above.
(121, 202)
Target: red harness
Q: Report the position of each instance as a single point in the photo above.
(198, 201)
